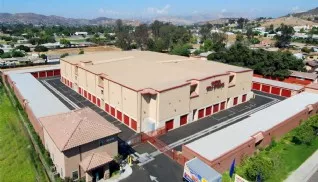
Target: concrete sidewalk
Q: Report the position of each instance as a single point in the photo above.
(305, 171)
(127, 172)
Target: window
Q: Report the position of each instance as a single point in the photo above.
(75, 175)
(232, 80)
(102, 92)
(194, 90)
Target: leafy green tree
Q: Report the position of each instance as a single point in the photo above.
(16, 53)
(275, 64)
(250, 33)
(40, 48)
(241, 22)
(205, 31)
(284, 39)
(141, 36)
(65, 42)
(259, 165)
(1, 51)
(304, 134)
(155, 27)
(23, 48)
(254, 40)
(239, 37)
(181, 50)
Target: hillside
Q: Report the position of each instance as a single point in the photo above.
(291, 21)
(311, 14)
(37, 19)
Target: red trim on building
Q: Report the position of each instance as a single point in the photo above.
(169, 125)
(85, 93)
(286, 93)
(98, 102)
(235, 101)
(208, 111)
(222, 106)
(201, 113)
(256, 86)
(275, 91)
(42, 74)
(119, 115)
(57, 72)
(89, 97)
(35, 74)
(133, 124)
(107, 108)
(112, 111)
(126, 120)
(244, 98)
(50, 73)
(215, 108)
(183, 120)
(94, 99)
(266, 88)
(80, 90)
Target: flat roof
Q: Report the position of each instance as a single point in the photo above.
(278, 83)
(78, 127)
(30, 69)
(311, 76)
(41, 101)
(144, 69)
(216, 144)
(313, 86)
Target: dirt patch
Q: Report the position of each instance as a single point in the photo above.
(86, 50)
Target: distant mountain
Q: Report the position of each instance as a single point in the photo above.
(37, 19)
(311, 14)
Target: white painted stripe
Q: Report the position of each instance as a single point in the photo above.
(215, 127)
(60, 94)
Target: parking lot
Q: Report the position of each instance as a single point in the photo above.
(163, 168)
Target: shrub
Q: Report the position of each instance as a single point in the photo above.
(40, 48)
(306, 50)
(303, 134)
(64, 55)
(259, 165)
(81, 51)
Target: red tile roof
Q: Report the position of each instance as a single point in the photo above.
(75, 128)
(95, 160)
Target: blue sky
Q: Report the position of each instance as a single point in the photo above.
(156, 8)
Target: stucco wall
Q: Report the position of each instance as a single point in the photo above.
(56, 155)
(243, 84)
(77, 154)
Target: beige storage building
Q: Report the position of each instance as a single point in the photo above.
(149, 91)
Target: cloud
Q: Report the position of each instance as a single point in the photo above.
(296, 9)
(223, 10)
(108, 12)
(164, 10)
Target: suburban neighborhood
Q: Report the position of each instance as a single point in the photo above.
(159, 95)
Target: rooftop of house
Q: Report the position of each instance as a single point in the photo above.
(143, 69)
(76, 128)
(298, 74)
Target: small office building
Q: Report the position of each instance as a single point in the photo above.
(148, 91)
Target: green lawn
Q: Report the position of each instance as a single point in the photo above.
(18, 161)
(285, 155)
